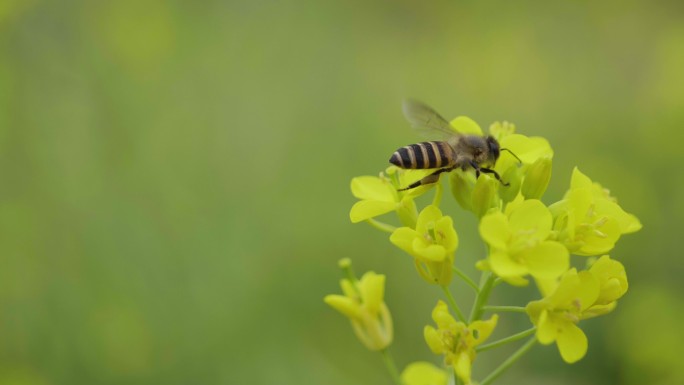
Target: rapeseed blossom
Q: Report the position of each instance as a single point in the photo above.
(431, 244)
(456, 341)
(363, 304)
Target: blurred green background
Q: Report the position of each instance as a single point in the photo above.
(174, 178)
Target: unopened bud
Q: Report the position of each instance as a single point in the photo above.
(537, 178)
(511, 181)
(485, 195)
(462, 184)
(407, 212)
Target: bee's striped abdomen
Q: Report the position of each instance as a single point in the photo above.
(423, 155)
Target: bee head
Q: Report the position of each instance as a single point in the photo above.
(494, 149)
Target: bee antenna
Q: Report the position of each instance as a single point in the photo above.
(511, 152)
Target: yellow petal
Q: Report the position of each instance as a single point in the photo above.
(515, 281)
(423, 373)
(628, 222)
(344, 305)
(465, 125)
(589, 290)
(403, 238)
(373, 188)
(528, 149)
(601, 242)
(484, 330)
(546, 329)
(372, 288)
(546, 286)
(598, 310)
(446, 234)
(442, 317)
(494, 230)
(548, 260)
(504, 266)
(433, 340)
(428, 216)
(348, 288)
(579, 201)
(612, 277)
(500, 130)
(425, 250)
(463, 366)
(579, 180)
(566, 291)
(363, 210)
(572, 343)
(530, 215)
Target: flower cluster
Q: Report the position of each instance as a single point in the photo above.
(588, 220)
(363, 304)
(527, 240)
(577, 296)
(431, 244)
(456, 340)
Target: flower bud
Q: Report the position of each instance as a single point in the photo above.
(513, 177)
(612, 277)
(407, 212)
(537, 178)
(500, 130)
(484, 195)
(363, 304)
(462, 184)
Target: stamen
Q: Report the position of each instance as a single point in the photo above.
(601, 222)
(600, 234)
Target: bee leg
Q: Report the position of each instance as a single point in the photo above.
(496, 175)
(431, 178)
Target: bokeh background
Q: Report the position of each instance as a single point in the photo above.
(174, 178)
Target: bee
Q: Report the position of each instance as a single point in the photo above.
(464, 151)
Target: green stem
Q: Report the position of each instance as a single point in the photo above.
(346, 266)
(510, 361)
(482, 296)
(381, 225)
(514, 309)
(467, 279)
(438, 195)
(453, 304)
(391, 366)
(504, 341)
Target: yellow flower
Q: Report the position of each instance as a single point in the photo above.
(363, 304)
(557, 315)
(519, 244)
(456, 341)
(575, 297)
(378, 195)
(432, 244)
(588, 220)
(528, 149)
(613, 285)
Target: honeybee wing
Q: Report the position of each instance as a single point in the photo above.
(426, 120)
